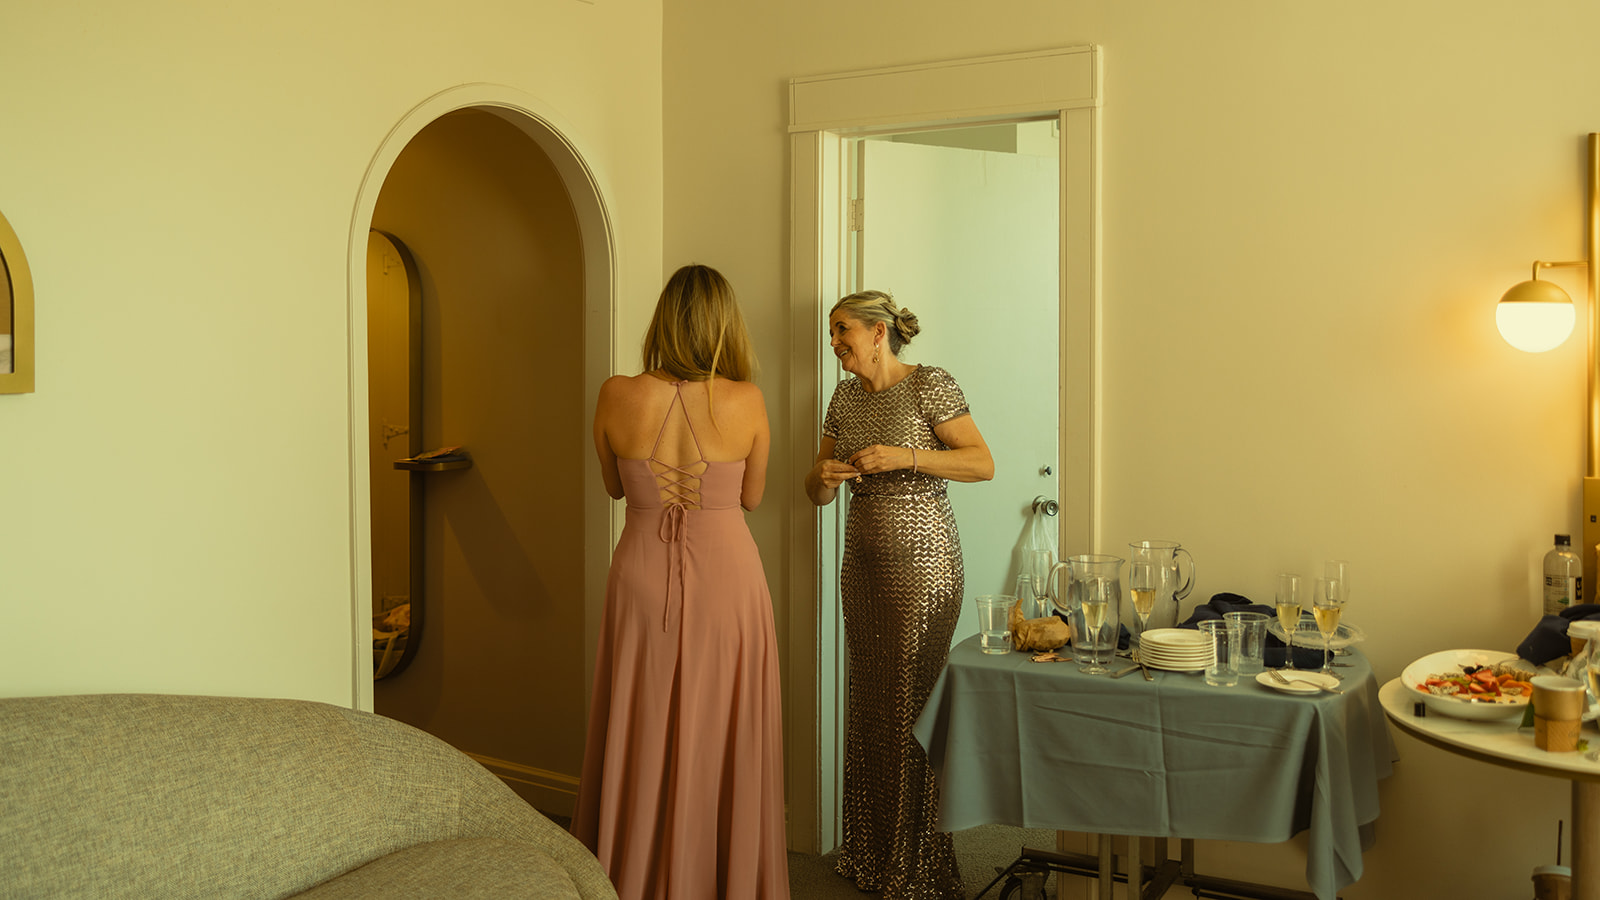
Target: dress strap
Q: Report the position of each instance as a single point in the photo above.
(678, 484)
(680, 491)
(677, 400)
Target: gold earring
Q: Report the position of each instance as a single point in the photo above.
(875, 352)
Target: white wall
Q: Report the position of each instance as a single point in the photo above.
(1309, 211)
(175, 509)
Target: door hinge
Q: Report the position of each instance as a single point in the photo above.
(856, 213)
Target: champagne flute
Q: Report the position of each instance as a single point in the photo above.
(1029, 601)
(1144, 581)
(1326, 606)
(1338, 572)
(1097, 602)
(1289, 602)
(1040, 564)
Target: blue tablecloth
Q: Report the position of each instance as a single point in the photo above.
(1039, 745)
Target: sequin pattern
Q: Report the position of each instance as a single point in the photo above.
(901, 585)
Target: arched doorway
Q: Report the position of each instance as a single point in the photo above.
(508, 228)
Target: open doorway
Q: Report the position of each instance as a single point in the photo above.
(829, 115)
(507, 231)
(961, 225)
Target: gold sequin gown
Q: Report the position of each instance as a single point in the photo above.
(900, 585)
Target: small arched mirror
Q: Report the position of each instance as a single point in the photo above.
(16, 315)
(394, 411)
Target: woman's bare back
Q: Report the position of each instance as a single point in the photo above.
(671, 424)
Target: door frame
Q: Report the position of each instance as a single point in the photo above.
(587, 191)
(823, 110)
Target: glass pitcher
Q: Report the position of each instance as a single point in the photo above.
(1091, 595)
(1172, 556)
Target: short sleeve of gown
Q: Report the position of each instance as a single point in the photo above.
(940, 397)
(830, 422)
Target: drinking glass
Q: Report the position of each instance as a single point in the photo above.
(1144, 582)
(1098, 602)
(1338, 571)
(993, 629)
(1290, 600)
(1094, 595)
(1040, 563)
(1327, 604)
(1033, 606)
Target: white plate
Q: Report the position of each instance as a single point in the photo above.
(1299, 682)
(1191, 660)
(1451, 661)
(1178, 639)
(1177, 667)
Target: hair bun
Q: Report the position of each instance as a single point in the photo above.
(905, 322)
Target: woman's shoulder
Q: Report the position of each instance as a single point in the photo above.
(851, 385)
(735, 393)
(933, 375)
(630, 382)
(621, 388)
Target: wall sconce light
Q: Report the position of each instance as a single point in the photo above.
(1536, 315)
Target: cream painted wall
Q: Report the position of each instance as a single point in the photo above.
(175, 509)
(1309, 211)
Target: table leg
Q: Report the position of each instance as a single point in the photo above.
(1585, 840)
(1108, 878)
(1135, 868)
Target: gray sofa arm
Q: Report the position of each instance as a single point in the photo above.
(130, 795)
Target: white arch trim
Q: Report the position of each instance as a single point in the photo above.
(587, 190)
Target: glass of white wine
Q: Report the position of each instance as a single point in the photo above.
(1098, 601)
(1289, 603)
(1144, 582)
(1327, 604)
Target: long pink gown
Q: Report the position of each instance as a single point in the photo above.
(682, 789)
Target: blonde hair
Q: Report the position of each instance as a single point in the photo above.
(873, 307)
(697, 332)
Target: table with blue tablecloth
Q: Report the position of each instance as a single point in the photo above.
(1040, 745)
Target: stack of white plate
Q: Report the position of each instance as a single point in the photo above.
(1175, 649)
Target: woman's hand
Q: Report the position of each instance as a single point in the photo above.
(822, 482)
(879, 458)
(831, 473)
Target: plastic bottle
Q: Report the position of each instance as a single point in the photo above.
(1563, 577)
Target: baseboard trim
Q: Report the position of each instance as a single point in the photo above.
(549, 792)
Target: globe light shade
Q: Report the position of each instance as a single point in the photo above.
(1535, 316)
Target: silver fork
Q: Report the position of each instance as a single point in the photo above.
(1278, 677)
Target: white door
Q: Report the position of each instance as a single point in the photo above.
(968, 239)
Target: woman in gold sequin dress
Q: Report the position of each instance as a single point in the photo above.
(895, 433)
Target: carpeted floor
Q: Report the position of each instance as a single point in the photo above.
(981, 852)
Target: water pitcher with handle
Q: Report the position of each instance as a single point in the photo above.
(1171, 556)
(1091, 596)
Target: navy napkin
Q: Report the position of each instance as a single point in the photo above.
(1548, 639)
(1276, 652)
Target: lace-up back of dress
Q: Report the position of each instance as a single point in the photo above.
(676, 460)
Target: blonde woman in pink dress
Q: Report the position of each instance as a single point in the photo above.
(682, 792)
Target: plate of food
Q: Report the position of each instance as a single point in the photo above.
(1473, 684)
